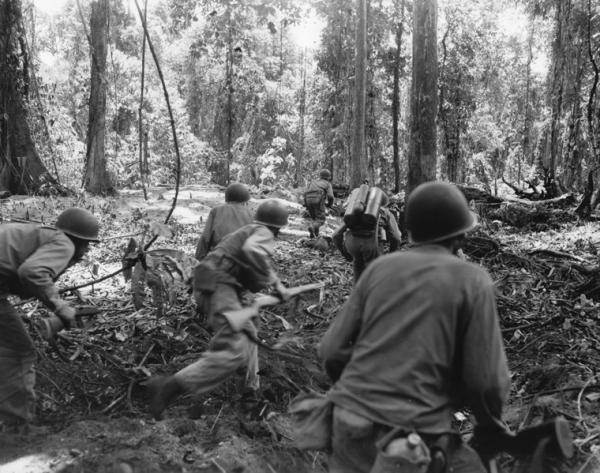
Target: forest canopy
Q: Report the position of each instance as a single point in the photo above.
(263, 91)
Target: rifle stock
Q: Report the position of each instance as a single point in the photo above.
(238, 318)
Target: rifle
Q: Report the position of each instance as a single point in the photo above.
(239, 317)
(536, 442)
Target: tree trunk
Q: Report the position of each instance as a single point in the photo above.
(526, 143)
(422, 158)
(557, 85)
(302, 113)
(396, 100)
(21, 169)
(96, 179)
(359, 164)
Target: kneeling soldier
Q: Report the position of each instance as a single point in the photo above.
(31, 259)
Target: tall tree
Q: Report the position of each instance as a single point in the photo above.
(96, 178)
(359, 159)
(21, 169)
(396, 97)
(422, 157)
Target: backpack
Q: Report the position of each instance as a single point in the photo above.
(363, 208)
(314, 194)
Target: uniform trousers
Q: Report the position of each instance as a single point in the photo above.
(228, 351)
(17, 377)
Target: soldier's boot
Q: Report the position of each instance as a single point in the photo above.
(163, 390)
(316, 229)
(311, 232)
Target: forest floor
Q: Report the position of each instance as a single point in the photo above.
(88, 381)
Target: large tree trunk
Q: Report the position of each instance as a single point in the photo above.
(96, 179)
(359, 164)
(422, 158)
(396, 100)
(21, 169)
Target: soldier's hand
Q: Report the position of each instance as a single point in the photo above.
(66, 313)
(283, 293)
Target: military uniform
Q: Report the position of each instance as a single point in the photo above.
(418, 339)
(316, 208)
(31, 258)
(242, 261)
(363, 245)
(222, 220)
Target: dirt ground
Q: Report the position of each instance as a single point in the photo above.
(88, 383)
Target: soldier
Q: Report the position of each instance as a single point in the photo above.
(31, 259)
(318, 194)
(226, 218)
(241, 261)
(418, 339)
(362, 243)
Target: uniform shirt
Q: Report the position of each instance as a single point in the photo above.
(325, 185)
(221, 221)
(31, 258)
(417, 339)
(244, 256)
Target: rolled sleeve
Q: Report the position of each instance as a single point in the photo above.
(38, 272)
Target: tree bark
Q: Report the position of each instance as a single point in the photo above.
(302, 113)
(396, 100)
(422, 157)
(359, 162)
(96, 178)
(21, 169)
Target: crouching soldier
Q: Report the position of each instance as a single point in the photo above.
(242, 261)
(366, 229)
(31, 259)
(418, 339)
(225, 219)
(318, 194)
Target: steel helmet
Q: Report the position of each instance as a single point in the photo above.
(436, 211)
(237, 192)
(325, 174)
(78, 223)
(271, 213)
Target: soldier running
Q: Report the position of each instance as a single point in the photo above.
(242, 261)
(318, 194)
(225, 219)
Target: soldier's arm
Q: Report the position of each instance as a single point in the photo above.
(338, 241)
(258, 250)
(204, 243)
(38, 272)
(486, 378)
(330, 197)
(393, 232)
(336, 346)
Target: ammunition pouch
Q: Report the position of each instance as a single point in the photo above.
(312, 421)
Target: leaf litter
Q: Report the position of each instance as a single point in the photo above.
(89, 380)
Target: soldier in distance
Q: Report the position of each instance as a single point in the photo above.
(225, 219)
